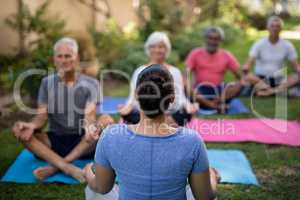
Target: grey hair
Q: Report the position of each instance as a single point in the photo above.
(214, 29)
(70, 42)
(273, 18)
(155, 38)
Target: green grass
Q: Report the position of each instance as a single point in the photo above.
(276, 166)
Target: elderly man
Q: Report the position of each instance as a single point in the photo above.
(66, 100)
(209, 65)
(269, 55)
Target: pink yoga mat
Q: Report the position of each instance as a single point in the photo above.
(268, 131)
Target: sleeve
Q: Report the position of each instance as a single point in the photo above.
(131, 99)
(201, 163)
(94, 94)
(190, 61)
(179, 88)
(43, 92)
(233, 63)
(101, 156)
(254, 51)
(291, 52)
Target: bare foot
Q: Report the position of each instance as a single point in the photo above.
(75, 172)
(265, 93)
(42, 173)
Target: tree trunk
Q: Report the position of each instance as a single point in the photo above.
(21, 32)
(94, 14)
(215, 11)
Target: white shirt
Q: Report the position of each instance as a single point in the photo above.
(270, 58)
(180, 99)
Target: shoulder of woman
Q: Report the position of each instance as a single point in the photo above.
(191, 134)
(113, 130)
(174, 69)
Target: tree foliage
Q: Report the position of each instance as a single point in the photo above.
(41, 32)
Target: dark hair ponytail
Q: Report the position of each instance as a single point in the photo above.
(154, 90)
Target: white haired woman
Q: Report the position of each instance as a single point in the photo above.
(158, 48)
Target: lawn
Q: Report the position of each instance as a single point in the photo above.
(276, 166)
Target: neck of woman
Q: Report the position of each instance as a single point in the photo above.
(160, 62)
(153, 126)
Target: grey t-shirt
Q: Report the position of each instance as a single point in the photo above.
(66, 104)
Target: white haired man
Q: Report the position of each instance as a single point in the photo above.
(66, 100)
(269, 55)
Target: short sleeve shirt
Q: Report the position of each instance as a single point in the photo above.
(211, 68)
(151, 167)
(66, 104)
(270, 58)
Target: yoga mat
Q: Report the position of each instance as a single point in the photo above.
(232, 165)
(235, 107)
(21, 170)
(267, 131)
(110, 106)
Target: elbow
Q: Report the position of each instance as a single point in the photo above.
(213, 195)
(102, 190)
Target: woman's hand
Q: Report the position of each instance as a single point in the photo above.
(191, 108)
(88, 174)
(214, 175)
(124, 109)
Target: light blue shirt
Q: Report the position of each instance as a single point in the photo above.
(151, 167)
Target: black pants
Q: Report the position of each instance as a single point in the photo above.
(64, 144)
(272, 81)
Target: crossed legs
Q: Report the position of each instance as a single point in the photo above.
(219, 96)
(40, 145)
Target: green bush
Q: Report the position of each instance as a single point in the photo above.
(132, 57)
(115, 50)
(192, 37)
(108, 43)
(187, 40)
(40, 50)
(232, 32)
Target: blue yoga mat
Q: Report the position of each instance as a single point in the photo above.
(110, 106)
(232, 165)
(21, 170)
(235, 107)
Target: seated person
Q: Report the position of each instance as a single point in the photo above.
(209, 65)
(292, 80)
(66, 99)
(269, 55)
(152, 159)
(158, 48)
